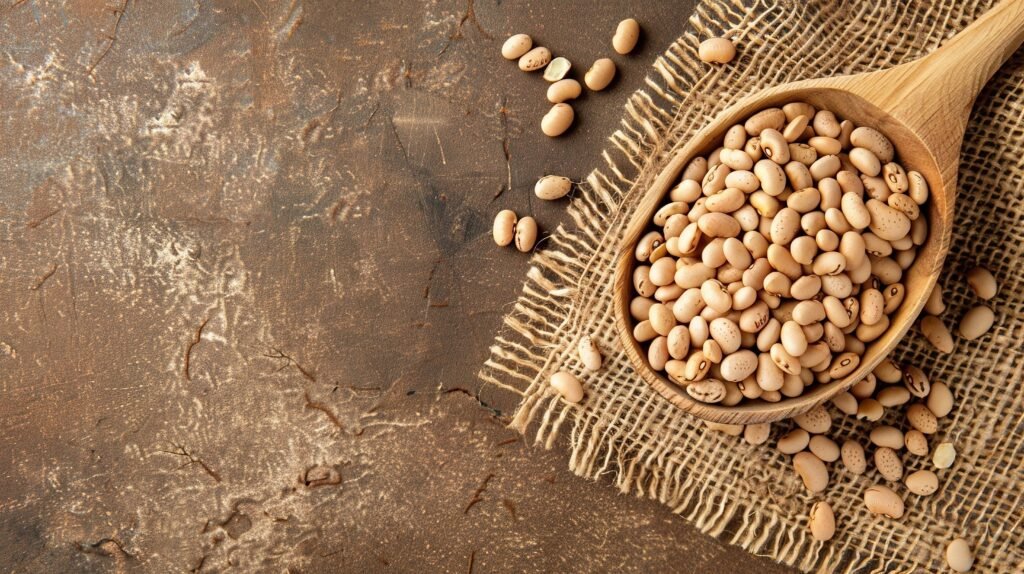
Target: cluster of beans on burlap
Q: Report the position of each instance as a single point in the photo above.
(777, 257)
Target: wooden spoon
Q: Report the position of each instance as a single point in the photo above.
(923, 108)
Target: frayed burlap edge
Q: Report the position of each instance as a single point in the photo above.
(748, 495)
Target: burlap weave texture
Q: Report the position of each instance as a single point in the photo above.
(749, 495)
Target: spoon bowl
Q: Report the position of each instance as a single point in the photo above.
(923, 108)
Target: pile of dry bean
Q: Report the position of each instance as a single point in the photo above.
(778, 257)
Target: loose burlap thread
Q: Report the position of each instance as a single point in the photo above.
(749, 495)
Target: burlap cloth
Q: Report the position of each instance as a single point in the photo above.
(749, 495)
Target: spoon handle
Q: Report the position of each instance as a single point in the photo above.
(934, 95)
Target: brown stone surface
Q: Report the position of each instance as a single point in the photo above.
(247, 282)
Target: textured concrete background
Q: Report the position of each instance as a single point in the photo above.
(246, 281)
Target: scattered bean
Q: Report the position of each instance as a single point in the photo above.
(923, 482)
(717, 50)
(959, 556)
(944, 455)
(626, 35)
(563, 90)
(504, 227)
(600, 74)
(551, 187)
(794, 441)
(976, 322)
(882, 500)
(811, 471)
(982, 282)
(590, 354)
(557, 69)
(526, 234)
(916, 442)
(557, 120)
(853, 457)
(937, 334)
(568, 386)
(516, 46)
(535, 59)
(822, 521)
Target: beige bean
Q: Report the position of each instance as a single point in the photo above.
(769, 376)
(668, 210)
(568, 386)
(805, 287)
(944, 455)
(855, 211)
(815, 421)
(827, 239)
(769, 118)
(872, 304)
(678, 342)
(922, 482)
(718, 225)
(726, 201)
(922, 419)
(781, 260)
(754, 149)
(811, 471)
(557, 120)
(893, 295)
(822, 521)
(744, 297)
(982, 282)
(626, 35)
(959, 556)
(916, 442)
(661, 318)
(793, 442)
(873, 140)
(837, 285)
(893, 396)
(643, 331)
(882, 500)
(600, 74)
(794, 109)
(716, 295)
(888, 463)
(707, 391)
(657, 353)
(826, 124)
(825, 145)
(804, 200)
(743, 180)
(662, 272)
(535, 59)
(825, 166)
(870, 410)
(717, 51)
(733, 395)
(865, 161)
(934, 304)
(886, 222)
(793, 339)
(647, 244)
(775, 146)
(697, 366)
(886, 269)
(696, 169)
(904, 205)
(504, 227)
(916, 381)
(868, 333)
(590, 354)
(865, 388)
(853, 457)
(526, 236)
(738, 365)
(757, 433)
(736, 159)
(551, 187)
(639, 307)
(917, 187)
(564, 90)
(843, 365)
(887, 436)
(846, 128)
(772, 178)
(735, 137)
(795, 128)
(830, 263)
(798, 174)
(836, 221)
(726, 333)
(940, 400)
(976, 322)
(713, 351)
(937, 334)
(807, 312)
(516, 46)
(846, 403)
(824, 448)
(895, 178)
